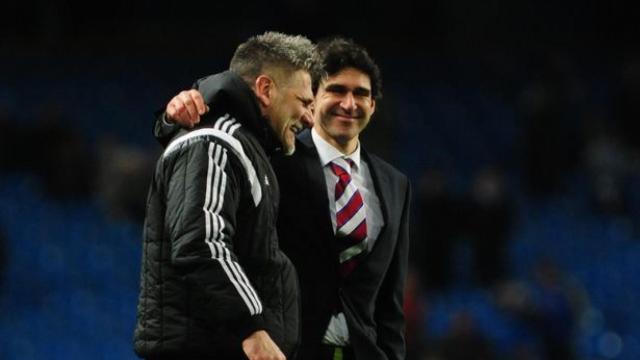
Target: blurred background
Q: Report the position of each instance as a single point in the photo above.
(517, 123)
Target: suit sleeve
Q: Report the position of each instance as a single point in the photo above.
(164, 131)
(389, 313)
(203, 197)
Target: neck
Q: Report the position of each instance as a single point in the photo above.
(346, 147)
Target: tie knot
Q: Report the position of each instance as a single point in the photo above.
(342, 166)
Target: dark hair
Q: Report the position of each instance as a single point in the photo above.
(338, 53)
(274, 51)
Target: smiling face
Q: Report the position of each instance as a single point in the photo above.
(343, 108)
(290, 108)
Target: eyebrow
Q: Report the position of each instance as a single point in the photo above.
(359, 90)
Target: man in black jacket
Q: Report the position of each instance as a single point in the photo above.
(351, 251)
(214, 284)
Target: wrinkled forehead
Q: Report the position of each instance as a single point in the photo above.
(300, 82)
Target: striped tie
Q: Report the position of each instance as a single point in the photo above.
(351, 223)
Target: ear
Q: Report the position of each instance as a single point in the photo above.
(264, 87)
(373, 105)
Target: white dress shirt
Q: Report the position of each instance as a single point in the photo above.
(337, 332)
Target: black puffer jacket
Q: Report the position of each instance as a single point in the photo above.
(212, 272)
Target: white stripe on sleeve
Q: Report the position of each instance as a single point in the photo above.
(216, 186)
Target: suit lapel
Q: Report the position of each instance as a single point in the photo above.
(382, 190)
(317, 187)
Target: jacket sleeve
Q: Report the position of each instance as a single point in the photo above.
(389, 312)
(164, 131)
(204, 193)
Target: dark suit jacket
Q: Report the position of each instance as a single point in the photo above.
(372, 295)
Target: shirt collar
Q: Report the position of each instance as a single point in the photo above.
(328, 153)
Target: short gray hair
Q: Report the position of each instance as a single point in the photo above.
(274, 50)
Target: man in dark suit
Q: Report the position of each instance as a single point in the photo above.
(352, 292)
(343, 219)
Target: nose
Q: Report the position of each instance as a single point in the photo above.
(307, 118)
(348, 102)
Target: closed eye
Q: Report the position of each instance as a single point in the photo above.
(306, 102)
(342, 90)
